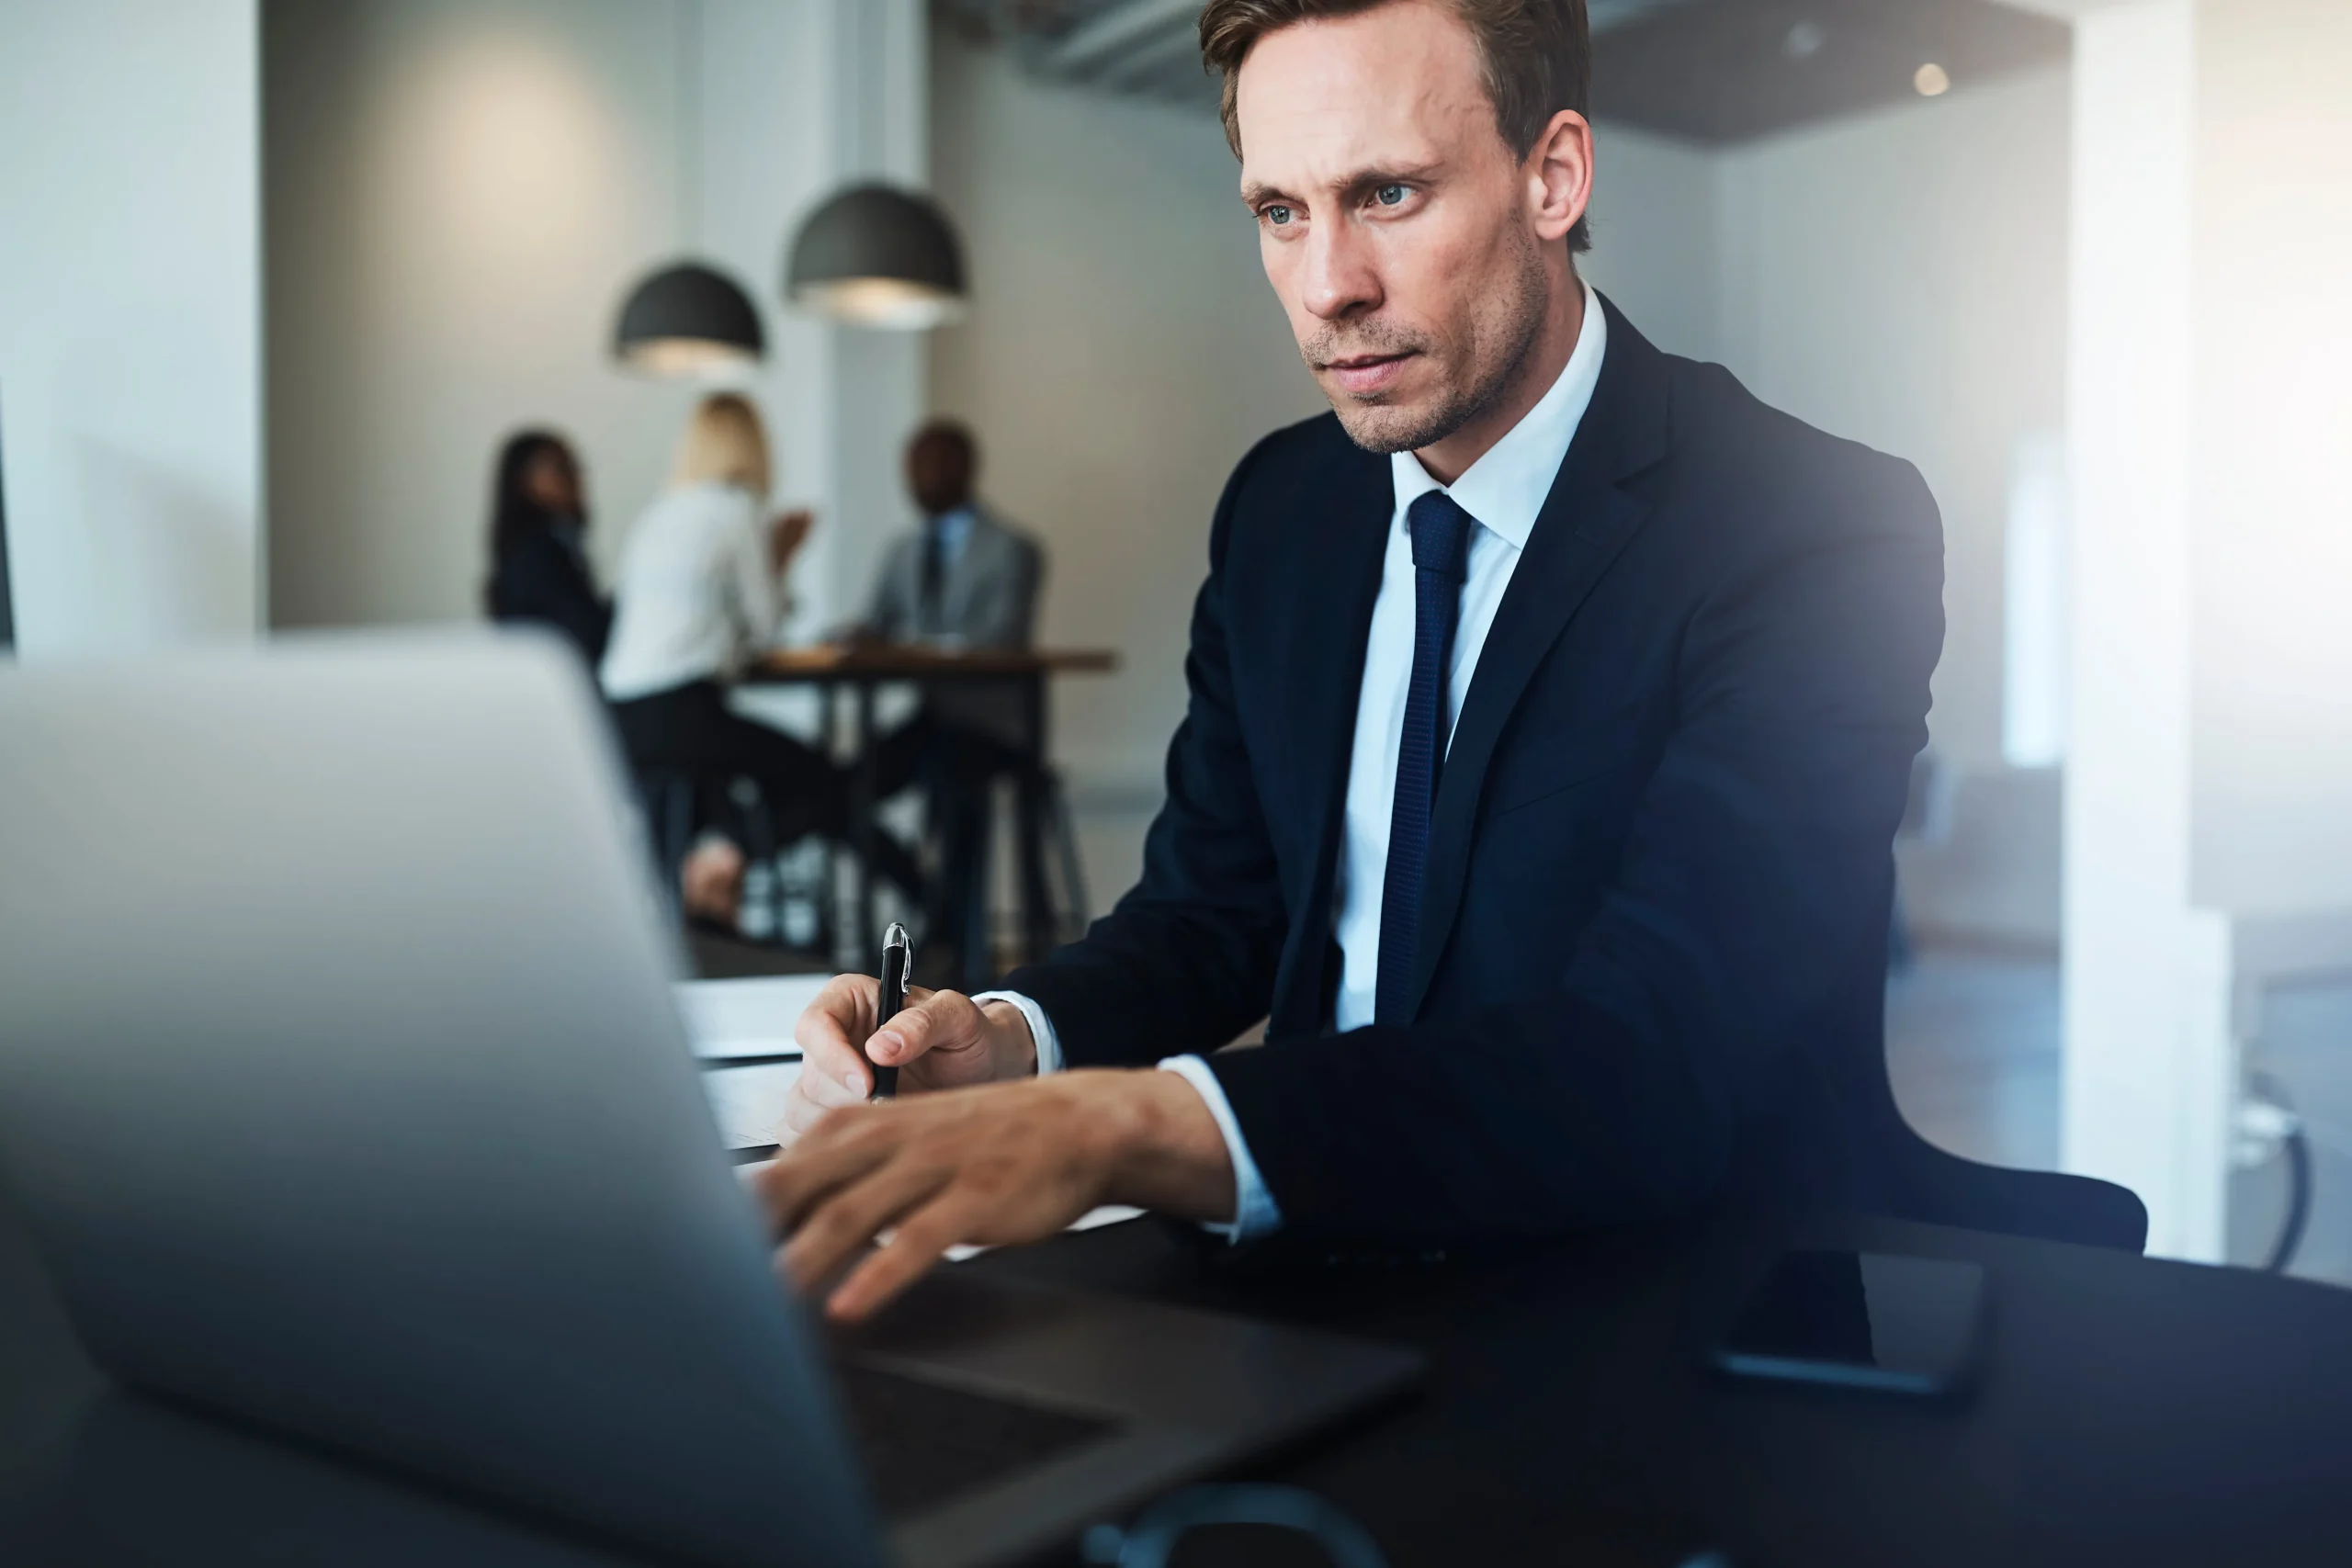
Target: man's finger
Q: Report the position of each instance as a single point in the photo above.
(823, 1158)
(801, 1114)
(921, 1239)
(833, 1070)
(945, 1020)
(843, 1015)
(854, 1213)
(835, 1081)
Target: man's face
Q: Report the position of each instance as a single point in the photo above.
(939, 472)
(1394, 223)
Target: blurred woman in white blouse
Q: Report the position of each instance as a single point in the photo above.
(701, 593)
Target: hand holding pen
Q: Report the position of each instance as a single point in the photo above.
(853, 1044)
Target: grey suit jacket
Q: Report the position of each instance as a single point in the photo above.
(989, 599)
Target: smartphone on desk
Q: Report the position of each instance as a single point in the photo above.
(1868, 1320)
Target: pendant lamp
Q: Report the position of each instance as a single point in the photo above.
(688, 320)
(875, 256)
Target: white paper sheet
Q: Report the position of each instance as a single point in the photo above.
(748, 1101)
(746, 1018)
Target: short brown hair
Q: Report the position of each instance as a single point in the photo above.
(1537, 53)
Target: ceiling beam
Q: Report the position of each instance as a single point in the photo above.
(1102, 39)
(2062, 10)
(1159, 52)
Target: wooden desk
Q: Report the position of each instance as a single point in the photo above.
(860, 671)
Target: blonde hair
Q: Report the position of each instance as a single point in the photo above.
(725, 443)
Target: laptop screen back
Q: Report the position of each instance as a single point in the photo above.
(7, 598)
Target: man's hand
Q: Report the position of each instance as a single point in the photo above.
(994, 1164)
(941, 1041)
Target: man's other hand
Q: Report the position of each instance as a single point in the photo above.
(994, 1165)
(941, 1041)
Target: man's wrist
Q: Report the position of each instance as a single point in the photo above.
(1018, 1047)
(1164, 1151)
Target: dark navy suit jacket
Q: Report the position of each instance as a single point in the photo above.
(1652, 951)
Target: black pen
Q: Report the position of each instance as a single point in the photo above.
(898, 960)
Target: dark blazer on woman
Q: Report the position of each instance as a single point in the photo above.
(544, 577)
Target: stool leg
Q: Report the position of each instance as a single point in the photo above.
(751, 804)
(978, 956)
(1065, 831)
(1036, 897)
(670, 825)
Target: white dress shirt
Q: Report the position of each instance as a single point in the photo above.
(955, 533)
(697, 592)
(1504, 490)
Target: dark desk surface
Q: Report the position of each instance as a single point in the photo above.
(2133, 1412)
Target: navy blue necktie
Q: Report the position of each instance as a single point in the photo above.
(1440, 533)
(932, 586)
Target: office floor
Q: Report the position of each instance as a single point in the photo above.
(1972, 1051)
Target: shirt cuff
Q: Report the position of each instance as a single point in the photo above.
(1041, 1028)
(1254, 1212)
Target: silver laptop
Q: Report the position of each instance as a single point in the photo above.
(343, 1088)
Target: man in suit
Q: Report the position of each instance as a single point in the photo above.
(1552, 706)
(966, 580)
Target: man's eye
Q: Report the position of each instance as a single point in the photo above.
(1277, 215)
(1389, 196)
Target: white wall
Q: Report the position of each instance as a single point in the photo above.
(129, 280)
(1900, 279)
(2272, 434)
(1657, 230)
(460, 191)
(1123, 351)
(460, 194)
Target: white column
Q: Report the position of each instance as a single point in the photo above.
(129, 321)
(881, 380)
(2147, 1069)
(798, 100)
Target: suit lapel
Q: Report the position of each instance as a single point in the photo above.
(1336, 578)
(1588, 518)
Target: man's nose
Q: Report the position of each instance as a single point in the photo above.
(1340, 278)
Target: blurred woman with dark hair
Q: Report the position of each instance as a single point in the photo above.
(539, 560)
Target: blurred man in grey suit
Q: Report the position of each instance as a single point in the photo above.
(964, 580)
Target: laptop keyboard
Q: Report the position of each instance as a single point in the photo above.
(925, 1444)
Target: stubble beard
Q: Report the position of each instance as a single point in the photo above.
(1377, 426)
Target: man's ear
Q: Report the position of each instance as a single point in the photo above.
(1559, 174)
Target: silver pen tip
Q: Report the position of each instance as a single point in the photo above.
(896, 936)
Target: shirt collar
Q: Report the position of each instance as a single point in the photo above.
(1506, 487)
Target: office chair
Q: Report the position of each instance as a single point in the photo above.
(2046, 1205)
(1923, 1182)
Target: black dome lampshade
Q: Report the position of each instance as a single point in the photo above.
(874, 255)
(688, 320)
